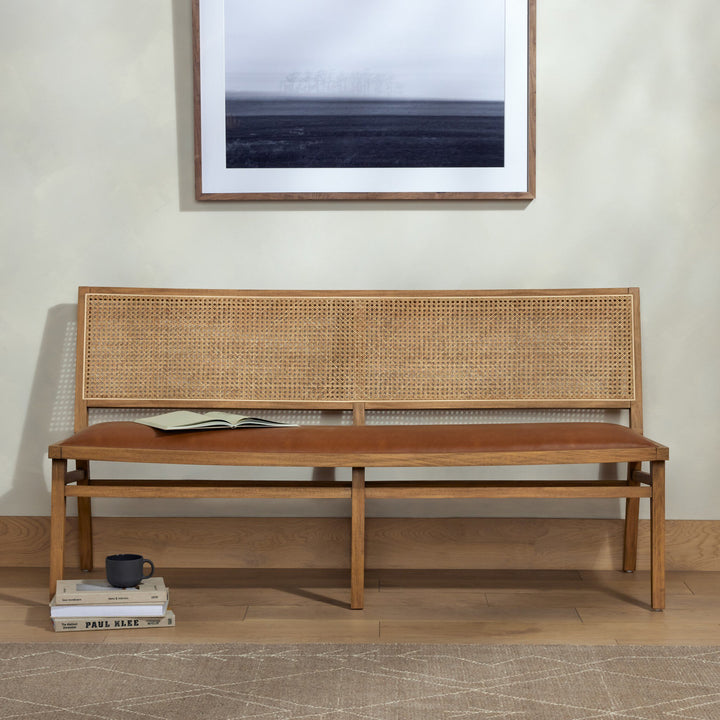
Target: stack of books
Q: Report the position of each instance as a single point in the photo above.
(97, 605)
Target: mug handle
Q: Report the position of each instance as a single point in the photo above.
(152, 569)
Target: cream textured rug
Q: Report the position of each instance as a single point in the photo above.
(64, 681)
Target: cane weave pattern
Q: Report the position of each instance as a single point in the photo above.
(358, 348)
(183, 347)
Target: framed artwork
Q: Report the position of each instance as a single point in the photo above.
(380, 99)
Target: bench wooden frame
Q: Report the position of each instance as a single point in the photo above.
(361, 352)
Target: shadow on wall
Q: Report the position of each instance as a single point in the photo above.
(184, 98)
(50, 410)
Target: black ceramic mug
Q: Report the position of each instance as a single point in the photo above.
(126, 570)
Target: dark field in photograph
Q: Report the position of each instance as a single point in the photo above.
(357, 134)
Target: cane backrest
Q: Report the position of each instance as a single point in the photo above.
(190, 348)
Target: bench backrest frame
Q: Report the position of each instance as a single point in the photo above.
(523, 331)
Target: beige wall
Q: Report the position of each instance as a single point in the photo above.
(96, 171)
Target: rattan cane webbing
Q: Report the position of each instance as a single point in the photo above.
(218, 348)
(339, 348)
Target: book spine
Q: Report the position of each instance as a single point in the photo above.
(120, 623)
(93, 597)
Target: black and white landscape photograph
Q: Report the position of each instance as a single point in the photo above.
(372, 84)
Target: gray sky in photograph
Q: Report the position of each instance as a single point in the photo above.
(430, 49)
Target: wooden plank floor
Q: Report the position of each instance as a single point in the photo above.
(425, 606)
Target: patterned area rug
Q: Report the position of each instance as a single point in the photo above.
(60, 681)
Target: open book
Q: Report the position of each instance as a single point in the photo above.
(187, 420)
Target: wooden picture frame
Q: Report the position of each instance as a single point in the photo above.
(291, 105)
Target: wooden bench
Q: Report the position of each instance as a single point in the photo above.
(361, 352)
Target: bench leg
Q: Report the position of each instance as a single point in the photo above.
(357, 550)
(657, 534)
(85, 521)
(632, 514)
(57, 523)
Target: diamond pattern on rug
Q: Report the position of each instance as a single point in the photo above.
(358, 682)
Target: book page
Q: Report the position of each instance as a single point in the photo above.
(230, 418)
(177, 419)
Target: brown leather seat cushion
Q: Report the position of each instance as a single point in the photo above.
(369, 443)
